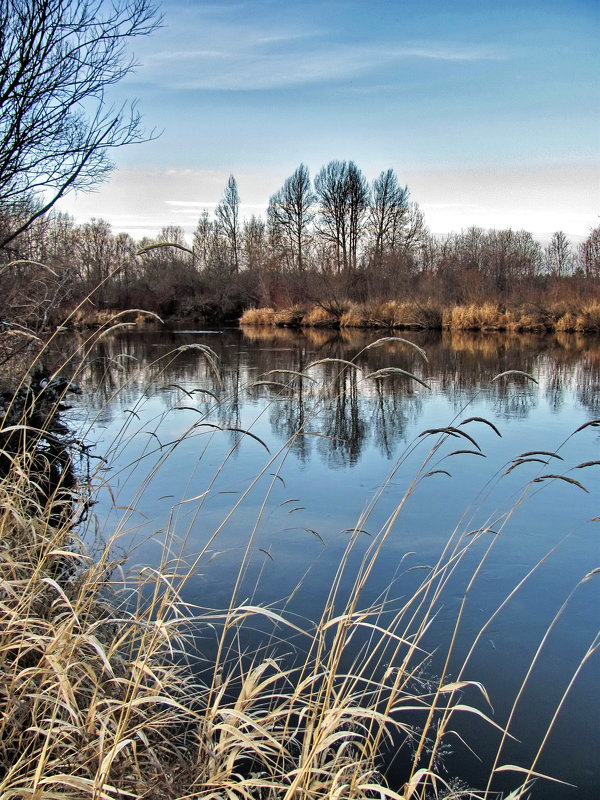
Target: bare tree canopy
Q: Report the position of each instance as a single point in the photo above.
(558, 256)
(291, 213)
(227, 214)
(58, 58)
(589, 252)
(343, 194)
(389, 213)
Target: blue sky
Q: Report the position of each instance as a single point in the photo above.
(488, 110)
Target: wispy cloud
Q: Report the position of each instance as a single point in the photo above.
(209, 52)
(258, 68)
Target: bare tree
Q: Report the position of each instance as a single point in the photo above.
(254, 239)
(358, 203)
(558, 256)
(291, 211)
(58, 59)
(509, 258)
(343, 195)
(228, 220)
(589, 254)
(96, 255)
(203, 236)
(388, 214)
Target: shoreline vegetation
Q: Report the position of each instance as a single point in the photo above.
(416, 316)
(391, 315)
(321, 256)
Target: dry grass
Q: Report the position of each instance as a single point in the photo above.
(387, 314)
(81, 676)
(317, 317)
(258, 316)
(403, 315)
(486, 316)
(406, 315)
(588, 320)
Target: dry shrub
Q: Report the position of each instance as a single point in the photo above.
(86, 317)
(258, 316)
(417, 315)
(526, 320)
(289, 317)
(567, 323)
(370, 315)
(474, 317)
(392, 314)
(356, 317)
(318, 317)
(588, 319)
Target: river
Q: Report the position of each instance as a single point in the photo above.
(275, 472)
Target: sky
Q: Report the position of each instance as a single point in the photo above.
(488, 110)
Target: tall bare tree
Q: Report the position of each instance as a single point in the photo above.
(203, 236)
(228, 220)
(291, 211)
(254, 240)
(343, 195)
(558, 256)
(589, 254)
(388, 214)
(358, 204)
(96, 256)
(58, 59)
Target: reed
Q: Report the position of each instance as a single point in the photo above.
(100, 693)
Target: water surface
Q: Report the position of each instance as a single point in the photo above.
(358, 434)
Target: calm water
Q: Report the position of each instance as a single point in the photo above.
(358, 434)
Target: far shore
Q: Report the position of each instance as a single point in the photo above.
(415, 316)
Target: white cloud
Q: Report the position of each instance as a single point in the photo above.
(540, 199)
(133, 200)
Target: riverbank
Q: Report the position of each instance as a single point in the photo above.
(429, 316)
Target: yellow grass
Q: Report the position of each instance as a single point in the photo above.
(318, 317)
(410, 315)
(258, 316)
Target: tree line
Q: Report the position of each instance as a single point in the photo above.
(335, 239)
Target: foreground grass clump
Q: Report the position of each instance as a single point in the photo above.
(82, 680)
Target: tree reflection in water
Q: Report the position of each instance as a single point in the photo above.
(344, 407)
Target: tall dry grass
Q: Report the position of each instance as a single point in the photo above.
(99, 696)
(407, 315)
